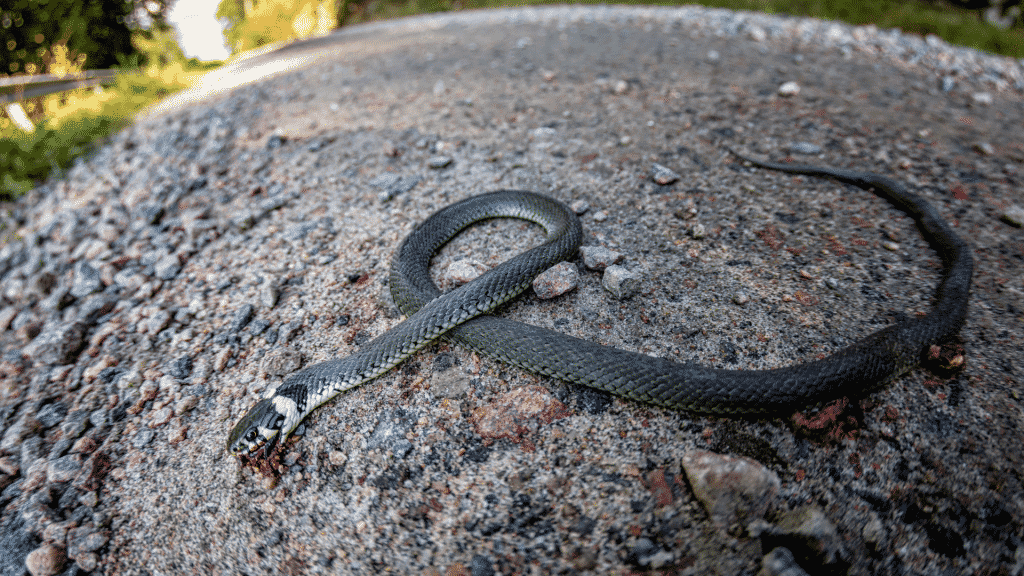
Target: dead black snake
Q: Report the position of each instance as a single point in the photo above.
(460, 316)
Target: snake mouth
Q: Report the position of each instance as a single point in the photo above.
(261, 451)
(262, 458)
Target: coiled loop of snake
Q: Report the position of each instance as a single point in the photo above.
(458, 316)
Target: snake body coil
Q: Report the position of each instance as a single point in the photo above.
(459, 316)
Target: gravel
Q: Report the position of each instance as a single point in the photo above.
(170, 280)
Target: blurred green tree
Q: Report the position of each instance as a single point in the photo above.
(94, 33)
(255, 23)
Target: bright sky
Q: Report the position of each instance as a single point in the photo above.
(199, 33)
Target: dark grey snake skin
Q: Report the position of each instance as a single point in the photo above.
(457, 316)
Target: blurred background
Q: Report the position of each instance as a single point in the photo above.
(74, 71)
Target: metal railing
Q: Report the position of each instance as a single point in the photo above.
(17, 88)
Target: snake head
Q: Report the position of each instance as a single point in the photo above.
(257, 433)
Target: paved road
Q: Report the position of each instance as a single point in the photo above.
(288, 184)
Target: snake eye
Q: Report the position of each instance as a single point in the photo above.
(250, 436)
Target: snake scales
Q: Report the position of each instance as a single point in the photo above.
(460, 316)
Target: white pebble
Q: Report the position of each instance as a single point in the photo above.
(789, 89)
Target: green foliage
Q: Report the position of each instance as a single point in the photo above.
(157, 47)
(95, 31)
(233, 12)
(25, 158)
(956, 25)
(71, 129)
(65, 36)
(202, 65)
(255, 23)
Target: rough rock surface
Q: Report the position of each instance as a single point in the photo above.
(141, 293)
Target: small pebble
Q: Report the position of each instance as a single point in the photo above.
(147, 289)
(178, 435)
(143, 437)
(555, 281)
(84, 445)
(438, 162)
(481, 566)
(161, 417)
(390, 150)
(90, 499)
(663, 175)
(167, 267)
(180, 368)
(148, 390)
(982, 98)
(580, 206)
(220, 361)
(51, 414)
(599, 257)
(1014, 215)
(873, 533)
(87, 280)
(186, 404)
(337, 457)
(544, 133)
(241, 318)
(731, 488)
(87, 561)
(47, 560)
(57, 344)
(258, 326)
(276, 140)
(299, 231)
(270, 292)
(463, 271)
(892, 233)
(393, 185)
(985, 148)
(809, 524)
(384, 180)
(157, 321)
(789, 89)
(63, 469)
(9, 466)
(281, 361)
(780, 562)
(622, 283)
(200, 370)
(289, 330)
(8, 314)
(688, 212)
(805, 148)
